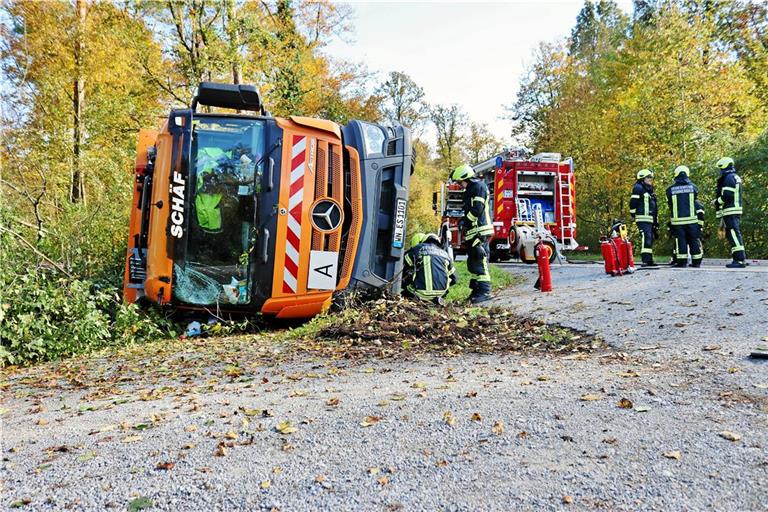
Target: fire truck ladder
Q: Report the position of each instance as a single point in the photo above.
(566, 210)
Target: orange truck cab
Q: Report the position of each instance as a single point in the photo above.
(248, 213)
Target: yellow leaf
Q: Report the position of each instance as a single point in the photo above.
(266, 484)
(625, 403)
(190, 428)
(231, 435)
(285, 427)
(498, 428)
(374, 470)
(673, 454)
(449, 418)
(590, 397)
(476, 417)
(131, 439)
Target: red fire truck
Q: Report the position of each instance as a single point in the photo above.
(532, 198)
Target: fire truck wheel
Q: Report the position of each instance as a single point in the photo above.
(525, 258)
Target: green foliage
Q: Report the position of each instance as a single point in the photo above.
(45, 315)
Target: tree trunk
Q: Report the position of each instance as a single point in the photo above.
(77, 193)
(234, 42)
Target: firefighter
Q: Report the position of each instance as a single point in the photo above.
(643, 208)
(429, 270)
(682, 198)
(477, 228)
(728, 205)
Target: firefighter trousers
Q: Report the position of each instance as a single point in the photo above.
(477, 264)
(688, 239)
(646, 234)
(733, 233)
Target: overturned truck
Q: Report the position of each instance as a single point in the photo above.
(246, 213)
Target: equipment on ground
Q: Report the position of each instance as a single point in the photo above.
(244, 212)
(521, 188)
(617, 250)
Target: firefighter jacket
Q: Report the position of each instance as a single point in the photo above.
(699, 213)
(729, 194)
(477, 208)
(682, 197)
(642, 204)
(429, 271)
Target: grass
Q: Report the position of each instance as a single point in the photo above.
(460, 292)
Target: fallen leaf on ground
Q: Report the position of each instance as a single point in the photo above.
(709, 348)
(384, 480)
(265, 484)
(641, 408)
(471, 394)
(567, 499)
(220, 451)
(441, 463)
(139, 503)
(285, 427)
(522, 434)
(42, 422)
(449, 418)
(333, 401)
(476, 417)
(673, 454)
(320, 479)
(731, 436)
(165, 465)
(86, 456)
(498, 428)
(131, 439)
(590, 397)
(374, 470)
(370, 420)
(625, 403)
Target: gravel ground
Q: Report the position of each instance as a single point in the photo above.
(501, 432)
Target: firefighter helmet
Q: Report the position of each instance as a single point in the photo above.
(463, 172)
(725, 163)
(644, 173)
(417, 238)
(682, 169)
(431, 237)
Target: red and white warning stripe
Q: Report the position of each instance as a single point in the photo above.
(295, 203)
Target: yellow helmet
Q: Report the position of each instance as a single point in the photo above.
(644, 173)
(417, 238)
(725, 163)
(463, 172)
(682, 169)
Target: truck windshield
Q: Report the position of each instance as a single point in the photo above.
(225, 176)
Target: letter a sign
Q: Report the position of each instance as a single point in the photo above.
(323, 266)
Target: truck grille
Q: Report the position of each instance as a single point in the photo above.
(328, 183)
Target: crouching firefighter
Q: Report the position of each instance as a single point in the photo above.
(729, 208)
(682, 198)
(428, 270)
(644, 209)
(477, 228)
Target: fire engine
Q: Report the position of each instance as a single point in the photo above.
(245, 212)
(532, 199)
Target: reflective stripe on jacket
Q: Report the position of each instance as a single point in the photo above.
(429, 271)
(477, 208)
(642, 203)
(729, 195)
(681, 198)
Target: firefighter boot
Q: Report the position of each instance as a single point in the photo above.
(472, 284)
(481, 292)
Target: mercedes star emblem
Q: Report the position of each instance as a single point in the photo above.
(326, 215)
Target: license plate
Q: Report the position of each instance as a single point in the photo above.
(502, 246)
(398, 237)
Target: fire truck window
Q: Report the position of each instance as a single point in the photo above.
(224, 170)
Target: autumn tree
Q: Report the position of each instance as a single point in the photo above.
(450, 122)
(480, 144)
(402, 101)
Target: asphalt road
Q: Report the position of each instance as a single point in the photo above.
(673, 417)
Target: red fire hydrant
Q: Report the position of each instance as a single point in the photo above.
(543, 252)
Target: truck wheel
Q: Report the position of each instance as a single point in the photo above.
(524, 257)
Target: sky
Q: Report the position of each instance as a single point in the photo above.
(470, 53)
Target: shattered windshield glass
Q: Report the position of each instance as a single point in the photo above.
(225, 173)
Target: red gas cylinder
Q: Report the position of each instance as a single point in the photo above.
(610, 256)
(543, 252)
